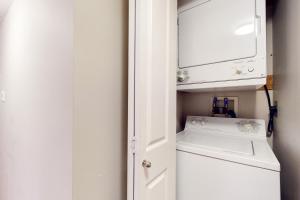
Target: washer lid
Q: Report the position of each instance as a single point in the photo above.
(243, 150)
(216, 142)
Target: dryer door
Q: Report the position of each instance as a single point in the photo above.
(216, 31)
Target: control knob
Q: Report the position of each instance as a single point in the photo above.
(182, 76)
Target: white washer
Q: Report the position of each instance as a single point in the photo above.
(226, 159)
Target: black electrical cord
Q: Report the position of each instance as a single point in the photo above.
(273, 112)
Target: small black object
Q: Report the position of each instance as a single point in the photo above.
(231, 114)
(225, 111)
(273, 112)
(215, 108)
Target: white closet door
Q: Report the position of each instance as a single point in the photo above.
(152, 100)
(215, 31)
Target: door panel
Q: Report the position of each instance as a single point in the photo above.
(158, 187)
(154, 107)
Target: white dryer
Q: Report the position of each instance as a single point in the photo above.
(226, 159)
(222, 44)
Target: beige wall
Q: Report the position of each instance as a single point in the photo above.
(100, 100)
(287, 87)
(252, 104)
(179, 118)
(36, 67)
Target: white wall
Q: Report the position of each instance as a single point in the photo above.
(4, 5)
(287, 87)
(36, 120)
(100, 100)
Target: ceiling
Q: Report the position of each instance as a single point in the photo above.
(4, 5)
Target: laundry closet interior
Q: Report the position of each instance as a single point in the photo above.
(226, 105)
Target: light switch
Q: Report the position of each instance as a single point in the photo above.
(3, 96)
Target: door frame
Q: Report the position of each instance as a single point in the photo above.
(131, 101)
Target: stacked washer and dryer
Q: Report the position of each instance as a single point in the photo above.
(222, 46)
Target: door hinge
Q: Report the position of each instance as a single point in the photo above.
(133, 145)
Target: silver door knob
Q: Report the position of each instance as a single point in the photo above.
(146, 164)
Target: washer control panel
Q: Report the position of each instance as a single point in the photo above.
(228, 126)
